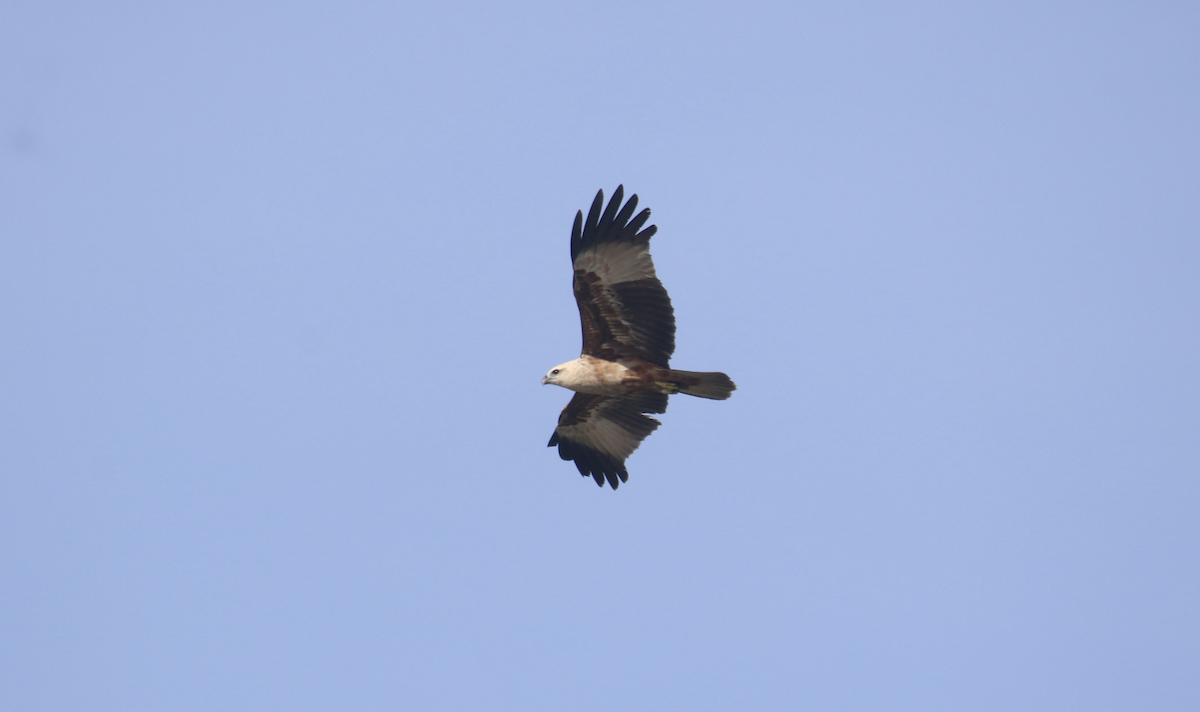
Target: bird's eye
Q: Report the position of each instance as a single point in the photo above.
(554, 372)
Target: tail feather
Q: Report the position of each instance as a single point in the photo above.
(716, 386)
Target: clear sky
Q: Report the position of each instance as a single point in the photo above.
(279, 281)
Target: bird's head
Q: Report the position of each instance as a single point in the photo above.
(559, 374)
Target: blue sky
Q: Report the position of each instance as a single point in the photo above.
(278, 283)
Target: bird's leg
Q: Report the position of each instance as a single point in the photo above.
(667, 387)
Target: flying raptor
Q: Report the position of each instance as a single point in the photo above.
(628, 338)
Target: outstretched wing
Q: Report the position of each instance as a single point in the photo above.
(624, 309)
(599, 432)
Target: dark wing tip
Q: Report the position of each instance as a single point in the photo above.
(577, 234)
(630, 232)
(613, 223)
(593, 218)
(622, 220)
(604, 227)
(591, 463)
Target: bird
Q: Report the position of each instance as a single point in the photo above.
(623, 371)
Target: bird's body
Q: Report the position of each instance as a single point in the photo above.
(588, 374)
(594, 376)
(628, 339)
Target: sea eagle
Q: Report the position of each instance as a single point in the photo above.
(628, 339)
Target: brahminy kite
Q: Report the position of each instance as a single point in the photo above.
(628, 338)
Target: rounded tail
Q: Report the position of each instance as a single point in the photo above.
(716, 386)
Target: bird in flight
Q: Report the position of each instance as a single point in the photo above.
(628, 337)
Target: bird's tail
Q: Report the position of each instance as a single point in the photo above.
(716, 386)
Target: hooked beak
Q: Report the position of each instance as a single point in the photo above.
(544, 381)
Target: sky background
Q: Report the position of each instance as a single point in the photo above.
(279, 281)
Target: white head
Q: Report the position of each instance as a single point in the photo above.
(561, 374)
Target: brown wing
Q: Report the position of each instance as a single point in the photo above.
(599, 432)
(624, 309)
